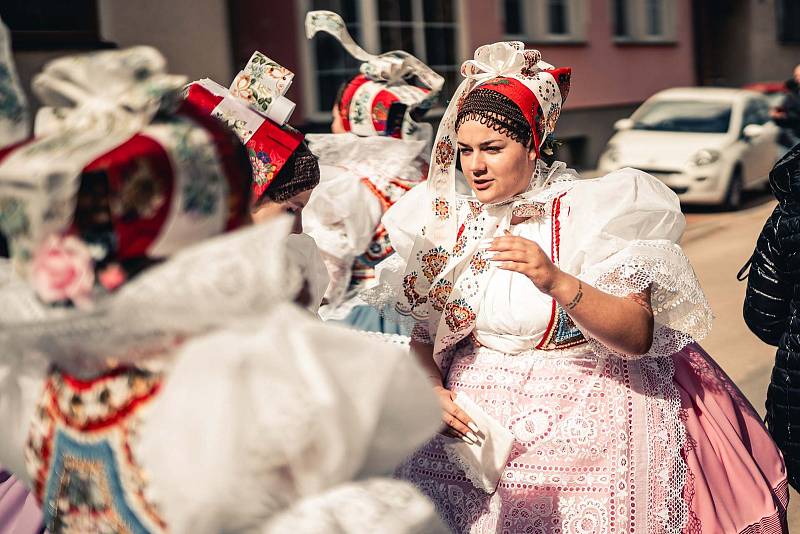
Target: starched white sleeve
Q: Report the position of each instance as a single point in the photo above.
(620, 233)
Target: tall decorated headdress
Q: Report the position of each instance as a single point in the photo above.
(115, 176)
(512, 90)
(381, 100)
(256, 109)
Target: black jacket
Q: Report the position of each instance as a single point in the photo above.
(772, 307)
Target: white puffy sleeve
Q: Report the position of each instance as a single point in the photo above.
(620, 234)
(341, 216)
(294, 408)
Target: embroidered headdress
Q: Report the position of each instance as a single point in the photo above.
(382, 100)
(512, 90)
(256, 109)
(115, 177)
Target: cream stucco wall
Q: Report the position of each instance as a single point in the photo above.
(192, 34)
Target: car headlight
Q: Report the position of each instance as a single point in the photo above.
(611, 153)
(705, 157)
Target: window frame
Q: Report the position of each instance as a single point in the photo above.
(536, 23)
(369, 22)
(638, 23)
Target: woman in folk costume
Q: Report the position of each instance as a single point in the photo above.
(375, 155)
(285, 172)
(558, 321)
(154, 374)
(19, 513)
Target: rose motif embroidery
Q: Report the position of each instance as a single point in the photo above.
(459, 315)
(478, 263)
(63, 269)
(409, 290)
(439, 294)
(433, 262)
(475, 208)
(552, 116)
(444, 153)
(530, 70)
(263, 167)
(441, 208)
(461, 243)
(242, 86)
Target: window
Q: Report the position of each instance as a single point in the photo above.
(334, 65)
(654, 15)
(643, 21)
(557, 17)
(547, 21)
(620, 18)
(788, 15)
(513, 17)
(424, 28)
(52, 25)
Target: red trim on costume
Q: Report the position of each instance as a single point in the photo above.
(555, 253)
(119, 415)
(385, 202)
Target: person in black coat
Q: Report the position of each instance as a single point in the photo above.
(787, 115)
(772, 307)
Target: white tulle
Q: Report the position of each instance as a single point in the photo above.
(293, 409)
(262, 404)
(374, 505)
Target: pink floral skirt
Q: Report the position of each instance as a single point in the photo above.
(636, 446)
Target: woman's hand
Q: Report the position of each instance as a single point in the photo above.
(457, 422)
(526, 257)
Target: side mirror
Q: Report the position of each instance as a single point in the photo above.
(752, 130)
(623, 124)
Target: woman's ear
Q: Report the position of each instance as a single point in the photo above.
(532, 156)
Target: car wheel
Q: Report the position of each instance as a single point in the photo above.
(733, 198)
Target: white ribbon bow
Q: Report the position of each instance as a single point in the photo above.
(505, 59)
(390, 67)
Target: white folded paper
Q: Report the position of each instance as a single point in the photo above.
(483, 462)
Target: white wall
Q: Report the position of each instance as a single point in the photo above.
(192, 34)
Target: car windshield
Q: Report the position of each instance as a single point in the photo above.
(684, 116)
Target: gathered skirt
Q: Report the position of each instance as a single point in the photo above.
(608, 446)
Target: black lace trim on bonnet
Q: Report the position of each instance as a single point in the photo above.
(300, 173)
(496, 111)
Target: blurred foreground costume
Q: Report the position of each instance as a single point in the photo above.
(19, 513)
(146, 330)
(599, 441)
(364, 171)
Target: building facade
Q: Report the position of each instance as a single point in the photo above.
(621, 51)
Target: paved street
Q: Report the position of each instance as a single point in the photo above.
(718, 244)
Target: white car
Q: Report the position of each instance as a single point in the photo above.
(706, 144)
